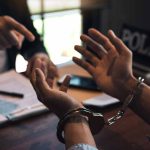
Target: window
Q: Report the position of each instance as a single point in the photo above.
(36, 6)
(62, 26)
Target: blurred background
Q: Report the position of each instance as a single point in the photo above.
(61, 22)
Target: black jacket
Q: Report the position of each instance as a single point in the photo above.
(18, 10)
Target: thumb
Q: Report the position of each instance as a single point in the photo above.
(64, 86)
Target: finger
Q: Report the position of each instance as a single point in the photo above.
(52, 72)
(29, 68)
(21, 39)
(44, 68)
(16, 38)
(13, 38)
(120, 46)
(32, 75)
(8, 39)
(41, 83)
(100, 38)
(95, 47)
(85, 65)
(3, 42)
(33, 82)
(87, 55)
(33, 63)
(13, 24)
(50, 82)
(37, 63)
(54, 69)
(64, 86)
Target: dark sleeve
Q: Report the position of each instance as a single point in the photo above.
(18, 10)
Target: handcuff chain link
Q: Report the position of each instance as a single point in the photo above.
(127, 101)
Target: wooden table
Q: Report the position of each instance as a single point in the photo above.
(39, 133)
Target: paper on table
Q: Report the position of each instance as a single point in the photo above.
(101, 100)
(27, 111)
(14, 82)
(7, 107)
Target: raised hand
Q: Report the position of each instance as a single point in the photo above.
(109, 61)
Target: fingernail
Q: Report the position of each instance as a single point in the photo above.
(31, 38)
(112, 33)
(82, 37)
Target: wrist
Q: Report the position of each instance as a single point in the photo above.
(128, 87)
(68, 108)
(76, 120)
(69, 124)
(95, 121)
(78, 131)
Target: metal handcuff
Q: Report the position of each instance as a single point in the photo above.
(96, 120)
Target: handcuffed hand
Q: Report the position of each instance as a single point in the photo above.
(109, 61)
(56, 100)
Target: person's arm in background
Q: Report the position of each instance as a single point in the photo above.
(77, 133)
(12, 33)
(18, 9)
(112, 69)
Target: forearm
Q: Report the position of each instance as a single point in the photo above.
(77, 131)
(141, 102)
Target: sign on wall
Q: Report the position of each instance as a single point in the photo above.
(138, 40)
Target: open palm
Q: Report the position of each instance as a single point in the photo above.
(56, 100)
(109, 61)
